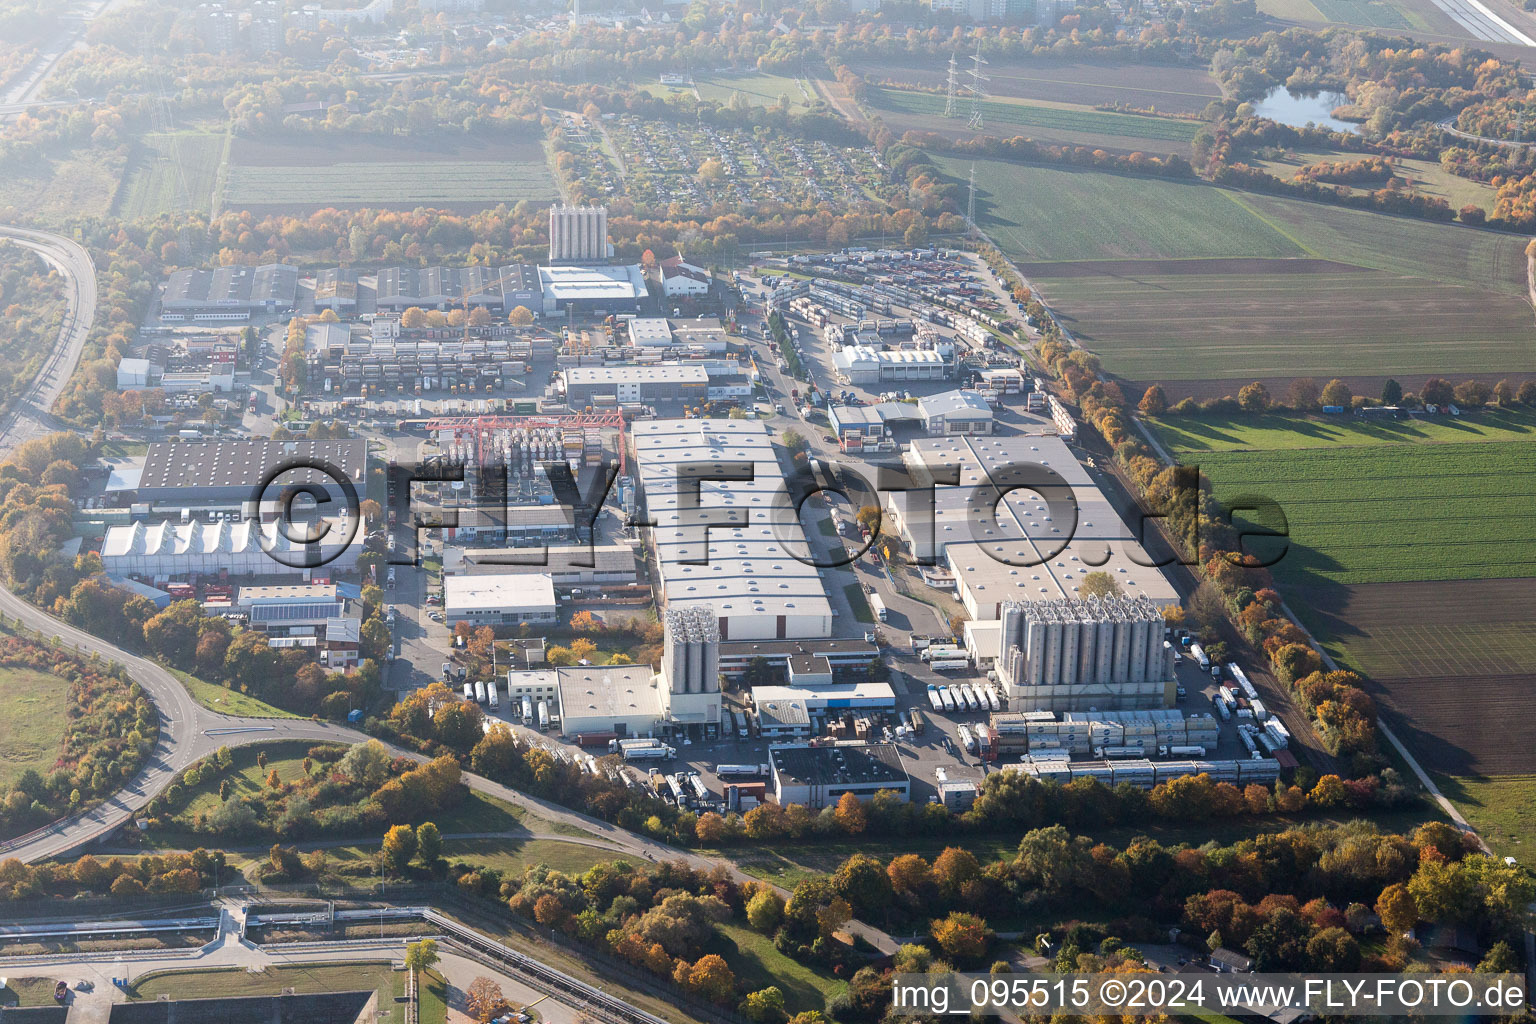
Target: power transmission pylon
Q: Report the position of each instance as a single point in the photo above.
(953, 83)
(978, 85)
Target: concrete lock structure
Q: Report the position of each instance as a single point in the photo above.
(1073, 655)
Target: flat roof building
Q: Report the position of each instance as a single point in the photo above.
(566, 564)
(624, 699)
(505, 599)
(588, 289)
(491, 288)
(650, 332)
(821, 698)
(855, 653)
(865, 364)
(225, 472)
(168, 550)
(650, 384)
(734, 545)
(956, 412)
(228, 294)
(819, 776)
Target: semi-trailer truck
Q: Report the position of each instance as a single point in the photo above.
(934, 700)
(479, 692)
(877, 606)
(543, 715)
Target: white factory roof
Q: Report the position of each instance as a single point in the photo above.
(616, 283)
(675, 373)
(608, 691)
(199, 538)
(503, 590)
(736, 543)
(850, 355)
(977, 567)
(551, 558)
(832, 695)
(1002, 510)
(650, 330)
(294, 593)
(960, 404)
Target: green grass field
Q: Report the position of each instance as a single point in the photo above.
(1028, 114)
(1502, 809)
(28, 992)
(513, 856)
(81, 185)
(1183, 281)
(759, 90)
(407, 183)
(304, 979)
(33, 716)
(171, 172)
(226, 701)
(1059, 213)
(431, 998)
(758, 964)
(1433, 252)
(1382, 513)
(1192, 436)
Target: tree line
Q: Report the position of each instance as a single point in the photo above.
(112, 728)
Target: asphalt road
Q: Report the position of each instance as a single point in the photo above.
(30, 416)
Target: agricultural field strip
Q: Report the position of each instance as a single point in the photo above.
(1388, 651)
(1038, 115)
(412, 179)
(1377, 524)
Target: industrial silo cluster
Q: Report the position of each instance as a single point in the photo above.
(1075, 655)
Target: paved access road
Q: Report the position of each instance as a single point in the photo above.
(30, 417)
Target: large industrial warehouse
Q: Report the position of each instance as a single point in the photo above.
(1004, 541)
(228, 294)
(200, 473)
(744, 563)
(171, 550)
(818, 776)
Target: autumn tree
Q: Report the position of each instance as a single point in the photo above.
(1253, 397)
(484, 1001)
(429, 843)
(1097, 584)
(398, 848)
(765, 1006)
(712, 978)
(1304, 394)
(765, 911)
(521, 316)
(963, 937)
(1154, 401)
(1336, 392)
(422, 955)
(850, 814)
